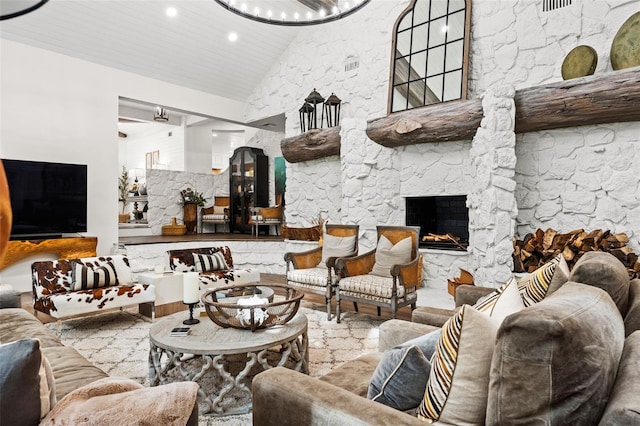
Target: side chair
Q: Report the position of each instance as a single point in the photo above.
(218, 214)
(387, 276)
(314, 270)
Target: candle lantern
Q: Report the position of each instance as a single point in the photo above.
(305, 117)
(331, 110)
(315, 99)
(191, 294)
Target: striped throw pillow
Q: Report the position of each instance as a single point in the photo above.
(503, 302)
(458, 385)
(209, 262)
(87, 277)
(534, 287)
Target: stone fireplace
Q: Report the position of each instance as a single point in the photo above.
(438, 218)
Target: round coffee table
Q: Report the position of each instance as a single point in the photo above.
(215, 346)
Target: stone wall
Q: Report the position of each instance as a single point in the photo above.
(581, 177)
(163, 190)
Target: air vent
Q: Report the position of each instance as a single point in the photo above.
(549, 5)
(351, 63)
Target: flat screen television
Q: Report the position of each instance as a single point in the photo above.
(47, 199)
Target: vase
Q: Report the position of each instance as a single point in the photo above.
(190, 217)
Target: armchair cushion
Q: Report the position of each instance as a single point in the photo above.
(219, 210)
(400, 378)
(209, 262)
(337, 247)
(87, 277)
(215, 216)
(457, 388)
(312, 276)
(369, 286)
(389, 254)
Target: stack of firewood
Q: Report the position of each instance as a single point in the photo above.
(538, 248)
(464, 278)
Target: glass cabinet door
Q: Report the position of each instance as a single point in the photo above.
(248, 185)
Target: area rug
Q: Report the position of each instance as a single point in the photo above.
(118, 343)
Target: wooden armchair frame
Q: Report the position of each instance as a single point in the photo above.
(261, 216)
(219, 202)
(312, 258)
(408, 275)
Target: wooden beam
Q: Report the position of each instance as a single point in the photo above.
(64, 248)
(447, 121)
(602, 98)
(311, 145)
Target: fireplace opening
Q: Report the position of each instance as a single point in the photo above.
(443, 221)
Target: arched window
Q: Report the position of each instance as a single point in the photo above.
(430, 54)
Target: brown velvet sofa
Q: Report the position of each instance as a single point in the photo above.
(72, 371)
(572, 358)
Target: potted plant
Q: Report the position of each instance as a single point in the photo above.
(191, 200)
(123, 190)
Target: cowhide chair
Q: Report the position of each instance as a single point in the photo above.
(314, 270)
(65, 288)
(214, 264)
(387, 276)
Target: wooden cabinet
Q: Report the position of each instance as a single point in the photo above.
(249, 185)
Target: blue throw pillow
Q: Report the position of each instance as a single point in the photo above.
(426, 343)
(400, 378)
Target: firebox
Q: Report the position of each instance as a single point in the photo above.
(443, 221)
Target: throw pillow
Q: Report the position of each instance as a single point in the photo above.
(209, 262)
(219, 209)
(534, 287)
(503, 302)
(427, 344)
(87, 277)
(27, 394)
(388, 254)
(400, 378)
(333, 246)
(457, 389)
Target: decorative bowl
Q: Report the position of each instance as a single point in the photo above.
(243, 307)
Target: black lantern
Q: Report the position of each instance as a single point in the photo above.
(306, 111)
(331, 111)
(314, 99)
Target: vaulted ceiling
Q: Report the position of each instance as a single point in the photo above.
(191, 49)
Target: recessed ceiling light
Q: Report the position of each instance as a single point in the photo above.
(171, 12)
(215, 135)
(233, 36)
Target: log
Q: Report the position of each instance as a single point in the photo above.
(540, 247)
(64, 248)
(447, 121)
(602, 98)
(311, 145)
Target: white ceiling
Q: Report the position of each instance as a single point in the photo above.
(190, 50)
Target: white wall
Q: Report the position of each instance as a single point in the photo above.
(513, 44)
(198, 149)
(57, 108)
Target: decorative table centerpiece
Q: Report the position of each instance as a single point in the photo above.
(244, 307)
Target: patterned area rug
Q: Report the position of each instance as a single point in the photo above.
(118, 344)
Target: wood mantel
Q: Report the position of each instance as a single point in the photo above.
(311, 145)
(64, 248)
(603, 98)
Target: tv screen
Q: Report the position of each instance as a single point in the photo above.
(47, 199)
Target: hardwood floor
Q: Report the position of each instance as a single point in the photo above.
(404, 313)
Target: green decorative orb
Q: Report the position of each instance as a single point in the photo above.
(625, 49)
(580, 62)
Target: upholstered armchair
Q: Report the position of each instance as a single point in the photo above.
(266, 216)
(218, 214)
(314, 270)
(387, 276)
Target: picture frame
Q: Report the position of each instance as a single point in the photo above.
(156, 158)
(148, 160)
